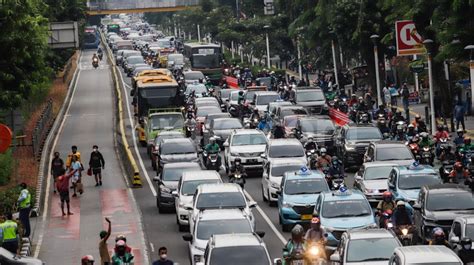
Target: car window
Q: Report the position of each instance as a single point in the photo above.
(345, 208)
(160, 138)
(469, 231)
(317, 125)
(305, 186)
(364, 133)
(174, 174)
(457, 229)
(177, 148)
(202, 112)
(312, 95)
(380, 249)
(377, 172)
(221, 200)
(278, 151)
(160, 122)
(205, 229)
(444, 201)
(189, 187)
(394, 153)
(416, 181)
(279, 170)
(226, 124)
(265, 99)
(248, 139)
(239, 255)
(193, 76)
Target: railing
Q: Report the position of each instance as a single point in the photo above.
(127, 4)
(42, 128)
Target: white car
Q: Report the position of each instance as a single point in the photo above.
(187, 186)
(262, 98)
(215, 222)
(278, 149)
(248, 145)
(219, 196)
(272, 175)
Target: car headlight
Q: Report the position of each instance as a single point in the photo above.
(313, 251)
(369, 191)
(286, 204)
(164, 189)
(349, 147)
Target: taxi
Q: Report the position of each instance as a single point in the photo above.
(297, 196)
(405, 182)
(343, 210)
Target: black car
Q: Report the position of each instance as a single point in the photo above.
(353, 140)
(312, 99)
(321, 129)
(438, 206)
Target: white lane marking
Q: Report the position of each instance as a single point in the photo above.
(134, 138)
(128, 86)
(53, 147)
(267, 219)
(152, 247)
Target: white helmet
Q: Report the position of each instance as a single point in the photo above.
(323, 150)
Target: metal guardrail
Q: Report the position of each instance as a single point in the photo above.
(127, 4)
(41, 129)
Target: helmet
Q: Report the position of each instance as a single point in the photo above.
(459, 131)
(417, 117)
(354, 95)
(315, 220)
(411, 126)
(241, 92)
(445, 127)
(297, 232)
(424, 135)
(387, 195)
(439, 127)
(120, 243)
(400, 203)
(438, 234)
(467, 141)
(334, 159)
(237, 160)
(361, 98)
(212, 139)
(466, 243)
(323, 150)
(120, 237)
(458, 165)
(87, 259)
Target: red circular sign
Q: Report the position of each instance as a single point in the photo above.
(5, 138)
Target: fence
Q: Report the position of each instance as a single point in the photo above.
(42, 128)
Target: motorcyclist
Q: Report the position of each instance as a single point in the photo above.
(459, 174)
(241, 98)
(382, 124)
(336, 170)
(324, 160)
(468, 146)
(99, 51)
(95, 57)
(399, 133)
(441, 133)
(459, 139)
(212, 146)
(255, 115)
(292, 80)
(448, 154)
(411, 132)
(386, 204)
(401, 215)
(464, 250)
(381, 111)
(121, 256)
(296, 244)
(310, 144)
(361, 105)
(419, 124)
(237, 167)
(353, 101)
(191, 123)
(315, 233)
(438, 238)
(290, 94)
(425, 140)
(278, 131)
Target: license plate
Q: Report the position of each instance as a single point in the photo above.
(251, 160)
(297, 262)
(306, 216)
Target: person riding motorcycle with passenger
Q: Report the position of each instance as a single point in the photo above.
(459, 139)
(439, 238)
(399, 134)
(324, 160)
(387, 204)
(382, 125)
(425, 140)
(411, 132)
(381, 111)
(397, 117)
(255, 116)
(335, 170)
(315, 233)
(295, 245)
(278, 131)
(459, 174)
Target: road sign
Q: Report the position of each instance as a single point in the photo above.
(409, 42)
(269, 7)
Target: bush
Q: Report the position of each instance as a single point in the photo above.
(6, 167)
(9, 198)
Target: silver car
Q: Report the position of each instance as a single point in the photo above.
(248, 145)
(372, 178)
(221, 128)
(177, 150)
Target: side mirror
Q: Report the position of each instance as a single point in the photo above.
(263, 156)
(454, 239)
(252, 204)
(278, 192)
(368, 159)
(265, 175)
(261, 234)
(188, 237)
(157, 179)
(335, 257)
(226, 144)
(416, 206)
(174, 193)
(188, 207)
(277, 261)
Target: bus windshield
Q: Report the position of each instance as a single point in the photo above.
(205, 61)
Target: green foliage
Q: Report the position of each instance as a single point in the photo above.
(9, 198)
(6, 167)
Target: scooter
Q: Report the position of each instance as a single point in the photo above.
(405, 234)
(212, 160)
(313, 254)
(237, 178)
(191, 132)
(426, 156)
(95, 63)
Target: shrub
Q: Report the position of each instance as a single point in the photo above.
(8, 199)
(6, 167)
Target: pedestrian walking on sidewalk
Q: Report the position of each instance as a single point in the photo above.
(74, 152)
(459, 113)
(76, 168)
(9, 234)
(393, 95)
(62, 185)
(57, 166)
(97, 163)
(103, 249)
(405, 92)
(386, 95)
(24, 204)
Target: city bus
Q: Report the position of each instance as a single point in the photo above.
(113, 28)
(91, 39)
(205, 57)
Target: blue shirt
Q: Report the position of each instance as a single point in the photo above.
(76, 166)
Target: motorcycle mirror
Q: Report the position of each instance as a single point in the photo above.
(277, 261)
(188, 237)
(335, 257)
(454, 239)
(416, 206)
(261, 234)
(174, 193)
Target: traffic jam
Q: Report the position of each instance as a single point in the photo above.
(259, 168)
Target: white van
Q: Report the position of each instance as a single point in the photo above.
(432, 255)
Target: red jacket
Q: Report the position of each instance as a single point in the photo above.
(441, 134)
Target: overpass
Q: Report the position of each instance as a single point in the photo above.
(105, 7)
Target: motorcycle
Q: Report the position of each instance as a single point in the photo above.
(446, 169)
(191, 131)
(314, 253)
(337, 182)
(426, 156)
(237, 178)
(95, 63)
(100, 56)
(212, 160)
(385, 220)
(415, 150)
(405, 234)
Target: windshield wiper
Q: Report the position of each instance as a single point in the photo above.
(451, 209)
(306, 192)
(372, 259)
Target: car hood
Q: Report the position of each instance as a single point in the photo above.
(304, 199)
(248, 149)
(186, 199)
(410, 195)
(311, 103)
(447, 215)
(349, 222)
(261, 108)
(407, 162)
(179, 157)
(171, 184)
(318, 136)
(376, 184)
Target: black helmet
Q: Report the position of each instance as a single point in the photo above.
(466, 243)
(237, 160)
(297, 233)
(241, 92)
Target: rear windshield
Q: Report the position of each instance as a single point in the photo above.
(278, 151)
(189, 187)
(305, 186)
(265, 99)
(280, 170)
(174, 174)
(226, 124)
(158, 92)
(240, 255)
(202, 112)
(363, 134)
(317, 125)
(177, 149)
(396, 153)
(444, 201)
(220, 200)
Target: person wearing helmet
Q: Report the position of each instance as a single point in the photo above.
(278, 131)
(387, 202)
(441, 133)
(315, 233)
(459, 139)
(467, 144)
(290, 94)
(241, 98)
(382, 111)
(212, 146)
(121, 256)
(255, 117)
(336, 169)
(464, 250)
(352, 101)
(310, 144)
(401, 215)
(425, 140)
(362, 105)
(411, 131)
(124, 239)
(382, 125)
(236, 168)
(438, 238)
(295, 245)
(420, 124)
(87, 260)
(324, 160)
(459, 174)
(189, 124)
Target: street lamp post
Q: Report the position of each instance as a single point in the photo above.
(374, 39)
(428, 44)
(300, 70)
(470, 48)
(266, 27)
(199, 33)
(334, 60)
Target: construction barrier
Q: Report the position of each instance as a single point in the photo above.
(338, 117)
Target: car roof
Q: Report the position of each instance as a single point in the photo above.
(447, 188)
(388, 144)
(306, 117)
(285, 107)
(306, 88)
(287, 141)
(369, 234)
(263, 93)
(378, 164)
(165, 133)
(205, 99)
(155, 114)
(285, 161)
(218, 115)
(221, 214)
(336, 195)
(182, 165)
(177, 141)
(247, 132)
(200, 175)
(192, 72)
(134, 56)
(420, 254)
(359, 125)
(316, 174)
(235, 240)
(225, 119)
(421, 169)
(219, 188)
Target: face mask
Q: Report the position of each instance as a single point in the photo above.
(467, 247)
(163, 256)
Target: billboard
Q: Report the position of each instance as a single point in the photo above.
(63, 35)
(409, 42)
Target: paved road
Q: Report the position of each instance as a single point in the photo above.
(161, 229)
(89, 121)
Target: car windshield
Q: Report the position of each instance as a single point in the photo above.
(202, 112)
(205, 61)
(160, 122)
(174, 174)
(239, 255)
(312, 95)
(470, 231)
(346, 208)
(234, 96)
(380, 249)
(224, 93)
(227, 124)
(317, 125)
(305, 186)
(265, 99)
(414, 182)
(249, 139)
(292, 150)
(176, 58)
(393, 153)
(198, 89)
(189, 187)
(444, 201)
(177, 148)
(205, 229)
(218, 200)
(193, 76)
(363, 134)
(377, 172)
(135, 60)
(290, 121)
(279, 170)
